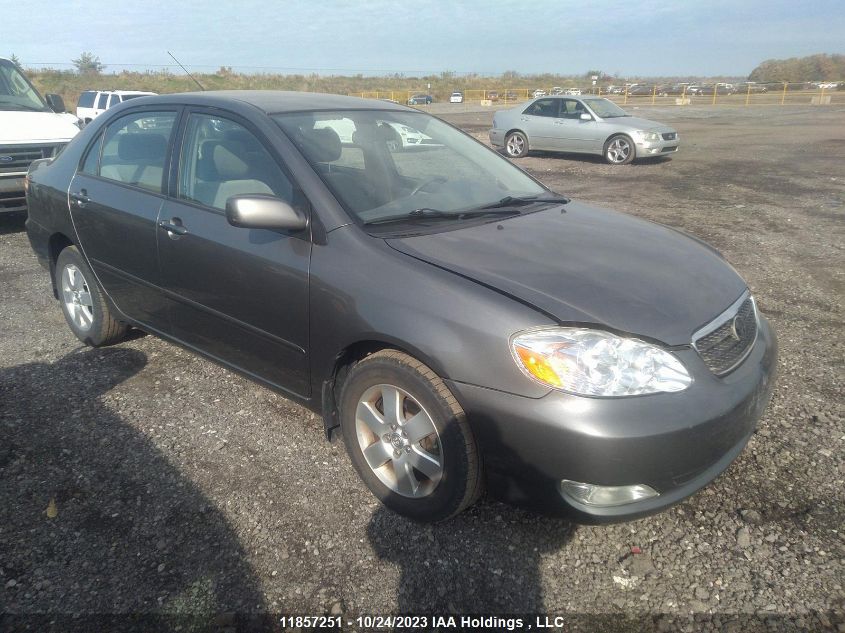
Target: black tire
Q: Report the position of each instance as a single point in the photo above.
(614, 150)
(516, 145)
(93, 322)
(460, 482)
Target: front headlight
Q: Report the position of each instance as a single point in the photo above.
(597, 363)
(649, 136)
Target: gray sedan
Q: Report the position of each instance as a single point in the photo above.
(588, 125)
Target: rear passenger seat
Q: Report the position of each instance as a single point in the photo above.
(139, 161)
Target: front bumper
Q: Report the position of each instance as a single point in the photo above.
(676, 443)
(653, 149)
(12, 197)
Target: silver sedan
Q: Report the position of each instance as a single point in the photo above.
(588, 125)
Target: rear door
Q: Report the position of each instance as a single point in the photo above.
(115, 198)
(538, 122)
(238, 295)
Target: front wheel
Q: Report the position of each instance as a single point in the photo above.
(408, 437)
(619, 150)
(516, 145)
(83, 304)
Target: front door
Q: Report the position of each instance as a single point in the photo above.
(238, 295)
(115, 199)
(576, 134)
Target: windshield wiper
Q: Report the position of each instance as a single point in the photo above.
(512, 201)
(427, 214)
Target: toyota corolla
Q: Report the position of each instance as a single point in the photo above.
(461, 326)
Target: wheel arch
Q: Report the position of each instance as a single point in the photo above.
(343, 361)
(56, 244)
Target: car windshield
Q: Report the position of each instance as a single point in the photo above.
(383, 164)
(16, 93)
(605, 108)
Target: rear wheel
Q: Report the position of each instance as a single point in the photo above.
(619, 150)
(516, 145)
(408, 437)
(83, 304)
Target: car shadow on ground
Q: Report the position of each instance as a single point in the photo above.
(12, 223)
(599, 160)
(485, 560)
(95, 520)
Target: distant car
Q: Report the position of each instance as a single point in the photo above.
(93, 103)
(510, 95)
(575, 92)
(456, 97)
(589, 125)
(640, 90)
(420, 99)
(557, 90)
(751, 87)
(398, 136)
(492, 95)
(538, 93)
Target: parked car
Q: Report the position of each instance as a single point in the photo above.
(456, 321)
(420, 99)
(572, 91)
(31, 127)
(93, 103)
(492, 95)
(456, 97)
(539, 92)
(640, 90)
(557, 90)
(587, 125)
(510, 95)
(397, 135)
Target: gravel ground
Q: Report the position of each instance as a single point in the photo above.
(143, 479)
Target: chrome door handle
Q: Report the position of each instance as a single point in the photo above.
(172, 228)
(81, 198)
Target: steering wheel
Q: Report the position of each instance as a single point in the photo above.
(425, 183)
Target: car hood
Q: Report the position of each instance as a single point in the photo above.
(35, 127)
(580, 264)
(638, 123)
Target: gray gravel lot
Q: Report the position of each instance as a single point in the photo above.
(181, 488)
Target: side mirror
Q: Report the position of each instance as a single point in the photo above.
(259, 211)
(586, 117)
(56, 103)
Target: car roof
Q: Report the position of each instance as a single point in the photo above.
(273, 101)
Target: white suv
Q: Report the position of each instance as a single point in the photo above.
(93, 103)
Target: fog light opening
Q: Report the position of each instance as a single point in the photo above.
(605, 496)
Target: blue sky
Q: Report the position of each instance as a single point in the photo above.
(644, 37)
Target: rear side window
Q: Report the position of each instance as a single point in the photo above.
(543, 107)
(92, 159)
(135, 149)
(114, 100)
(102, 101)
(86, 99)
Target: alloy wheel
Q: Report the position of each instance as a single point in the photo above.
(77, 297)
(618, 150)
(399, 441)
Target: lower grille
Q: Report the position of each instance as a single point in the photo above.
(12, 201)
(726, 345)
(670, 149)
(17, 158)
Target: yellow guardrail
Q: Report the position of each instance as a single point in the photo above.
(744, 94)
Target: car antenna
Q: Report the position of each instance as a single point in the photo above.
(186, 71)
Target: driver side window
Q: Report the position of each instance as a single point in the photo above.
(221, 159)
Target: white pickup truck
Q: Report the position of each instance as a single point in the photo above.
(31, 127)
